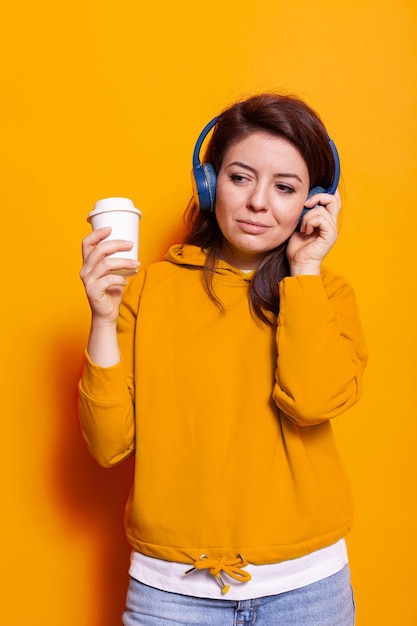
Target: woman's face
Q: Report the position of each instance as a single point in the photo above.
(261, 189)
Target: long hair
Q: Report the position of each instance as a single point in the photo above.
(283, 116)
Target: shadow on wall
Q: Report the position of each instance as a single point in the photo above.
(91, 498)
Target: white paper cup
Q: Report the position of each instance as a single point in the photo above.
(123, 217)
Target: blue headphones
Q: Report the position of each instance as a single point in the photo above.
(204, 177)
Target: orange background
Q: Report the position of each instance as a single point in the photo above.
(101, 98)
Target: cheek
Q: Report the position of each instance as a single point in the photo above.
(289, 215)
(294, 216)
(223, 218)
(223, 206)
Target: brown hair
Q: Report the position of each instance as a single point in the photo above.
(283, 116)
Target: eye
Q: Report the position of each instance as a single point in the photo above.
(238, 178)
(285, 188)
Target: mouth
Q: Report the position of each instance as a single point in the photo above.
(252, 227)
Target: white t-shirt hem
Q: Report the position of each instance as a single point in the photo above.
(266, 579)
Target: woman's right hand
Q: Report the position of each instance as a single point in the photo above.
(104, 289)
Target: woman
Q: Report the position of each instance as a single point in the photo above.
(220, 368)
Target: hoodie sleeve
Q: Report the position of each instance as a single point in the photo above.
(106, 394)
(321, 351)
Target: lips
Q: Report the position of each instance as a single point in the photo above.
(251, 227)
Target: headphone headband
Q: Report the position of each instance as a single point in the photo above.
(207, 128)
(336, 159)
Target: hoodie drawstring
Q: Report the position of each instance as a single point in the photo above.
(215, 567)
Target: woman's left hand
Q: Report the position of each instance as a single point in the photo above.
(307, 248)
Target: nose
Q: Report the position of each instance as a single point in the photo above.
(258, 200)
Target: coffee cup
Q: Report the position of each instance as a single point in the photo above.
(123, 217)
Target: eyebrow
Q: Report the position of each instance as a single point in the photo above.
(251, 169)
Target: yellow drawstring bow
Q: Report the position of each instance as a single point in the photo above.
(215, 567)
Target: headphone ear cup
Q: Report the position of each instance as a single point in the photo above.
(305, 210)
(316, 190)
(204, 181)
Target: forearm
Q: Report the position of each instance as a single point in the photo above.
(106, 412)
(103, 346)
(321, 350)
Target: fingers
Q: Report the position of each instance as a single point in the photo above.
(96, 249)
(93, 239)
(332, 203)
(318, 219)
(324, 212)
(99, 266)
(103, 274)
(91, 243)
(100, 271)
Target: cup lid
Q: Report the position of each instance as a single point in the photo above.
(113, 204)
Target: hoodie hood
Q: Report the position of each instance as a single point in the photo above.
(194, 256)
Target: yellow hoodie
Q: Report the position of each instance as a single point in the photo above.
(228, 418)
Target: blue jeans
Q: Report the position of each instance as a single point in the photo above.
(328, 602)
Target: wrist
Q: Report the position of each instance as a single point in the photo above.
(104, 324)
(308, 269)
(103, 346)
